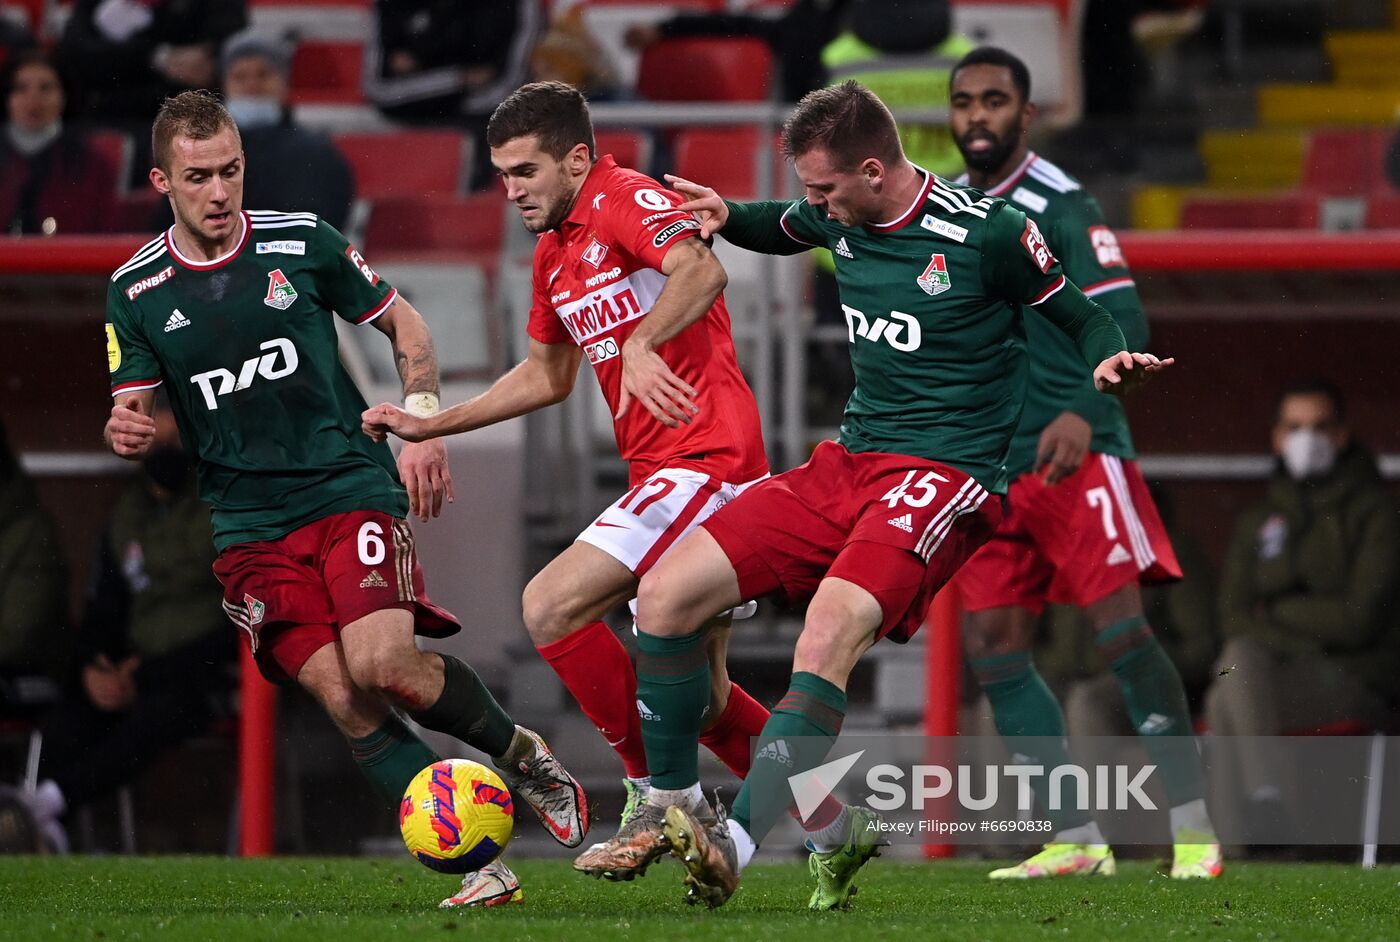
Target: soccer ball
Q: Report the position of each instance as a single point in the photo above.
(456, 816)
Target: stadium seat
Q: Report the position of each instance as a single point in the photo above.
(1383, 210)
(1286, 211)
(117, 148)
(631, 148)
(725, 158)
(405, 163)
(460, 227)
(328, 73)
(705, 70)
(1344, 162)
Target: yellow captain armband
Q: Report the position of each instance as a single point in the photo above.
(421, 404)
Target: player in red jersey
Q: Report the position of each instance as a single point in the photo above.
(621, 277)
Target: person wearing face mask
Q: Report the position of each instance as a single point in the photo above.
(153, 641)
(1307, 599)
(52, 181)
(296, 167)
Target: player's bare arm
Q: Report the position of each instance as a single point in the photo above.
(1124, 372)
(546, 376)
(705, 203)
(130, 430)
(423, 467)
(694, 279)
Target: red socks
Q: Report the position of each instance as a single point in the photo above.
(597, 670)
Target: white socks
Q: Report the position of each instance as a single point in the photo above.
(686, 798)
(743, 844)
(1084, 834)
(1191, 816)
(833, 836)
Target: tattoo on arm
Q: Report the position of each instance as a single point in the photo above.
(418, 367)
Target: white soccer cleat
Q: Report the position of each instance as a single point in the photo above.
(492, 885)
(552, 793)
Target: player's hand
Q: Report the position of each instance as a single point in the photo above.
(1124, 372)
(647, 378)
(379, 422)
(704, 202)
(1063, 445)
(423, 467)
(129, 431)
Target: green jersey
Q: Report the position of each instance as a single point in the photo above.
(248, 346)
(1074, 226)
(933, 303)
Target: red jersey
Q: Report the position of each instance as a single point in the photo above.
(595, 277)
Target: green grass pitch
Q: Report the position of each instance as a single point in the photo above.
(215, 899)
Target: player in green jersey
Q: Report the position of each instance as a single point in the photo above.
(232, 311)
(933, 279)
(1081, 528)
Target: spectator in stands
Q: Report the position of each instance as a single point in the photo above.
(154, 640)
(126, 56)
(568, 52)
(15, 33)
(297, 168)
(51, 178)
(1307, 596)
(427, 62)
(797, 37)
(1183, 617)
(33, 593)
(904, 51)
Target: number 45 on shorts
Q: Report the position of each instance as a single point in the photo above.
(913, 493)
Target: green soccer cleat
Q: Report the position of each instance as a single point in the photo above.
(1196, 856)
(1062, 860)
(636, 794)
(836, 870)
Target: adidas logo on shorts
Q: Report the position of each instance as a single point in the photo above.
(1118, 555)
(373, 581)
(904, 522)
(776, 751)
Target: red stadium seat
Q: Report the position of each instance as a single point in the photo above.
(1287, 211)
(116, 147)
(405, 163)
(328, 73)
(1383, 210)
(726, 159)
(705, 70)
(1344, 162)
(452, 227)
(629, 147)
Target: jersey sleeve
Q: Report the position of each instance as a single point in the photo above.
(353, 289)
(1092, 259)
(1017, 265)
(130, 360)
(774, 227)
(544, 324)
(643, 222)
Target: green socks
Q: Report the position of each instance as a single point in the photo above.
(390, 757)
(1029, 719)
(673, 692)
(1156, 704)
(796, 738)
(465, 709)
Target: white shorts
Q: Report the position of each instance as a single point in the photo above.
(643, 525)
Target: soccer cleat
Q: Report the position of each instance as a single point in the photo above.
(707, 851)
(1062, 860)
(492, 885)
(552, 793)
(638, 842)
(835, 870)
(1196, 856)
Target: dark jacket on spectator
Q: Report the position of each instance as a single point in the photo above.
(67, 182)
(1312, 570)
(33, 579)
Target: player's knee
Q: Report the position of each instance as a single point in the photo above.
(661, 607)
(988, 634)
(398, 676)
(336, 695)
(832, 640)
(547, 618)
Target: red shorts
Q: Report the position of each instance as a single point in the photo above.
(895, 525)
(292, 596)
(1073, 543)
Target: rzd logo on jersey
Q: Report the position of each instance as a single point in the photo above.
(886, 329)
(935, 278)
(280, 293)
(280, 360)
